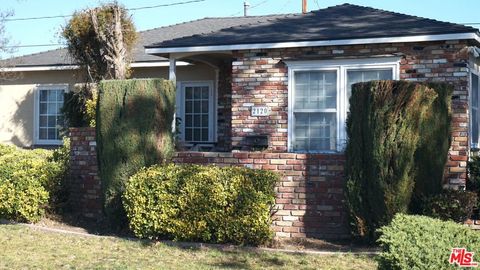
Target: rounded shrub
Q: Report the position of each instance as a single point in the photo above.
(27, 179)
(201, 203)
(418, 242)
(455, 205)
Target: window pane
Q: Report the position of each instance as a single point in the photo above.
(43, 108)
(475, 111)
(52, 121)
(188, 134)
(315, 90)
(188, 121)
(365, 75)
(42, 134)
(204, 92)
(43, 121)
(315, 131)
(52, 134)
(43, 95)
(188, 92)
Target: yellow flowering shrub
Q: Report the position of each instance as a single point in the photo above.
(201, 203)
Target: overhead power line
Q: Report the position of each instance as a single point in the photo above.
(34, 45)
(130, 9)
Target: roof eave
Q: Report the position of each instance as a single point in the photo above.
(292, 44)
(75, 67)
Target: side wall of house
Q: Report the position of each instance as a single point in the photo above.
(17, 96)
(260, 78)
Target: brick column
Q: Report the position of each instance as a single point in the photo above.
(84, 185)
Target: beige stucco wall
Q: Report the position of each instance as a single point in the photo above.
(17, 97)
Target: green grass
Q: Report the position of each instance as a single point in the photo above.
(25, 248)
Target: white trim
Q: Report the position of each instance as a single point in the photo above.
(36, 112)
(73, 67)
(341, 66)
(180, 105)
(334, 42)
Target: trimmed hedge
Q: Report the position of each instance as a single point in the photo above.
(134, 129)
(383, 134)
(201, 203)
(432, 152)
(30, 181)
(417, 242)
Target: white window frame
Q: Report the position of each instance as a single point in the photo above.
(212, 107)
(342, 66)
(36, 112)
(470, 106)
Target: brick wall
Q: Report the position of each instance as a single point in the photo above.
(259, 78)
(310, 201)
(84, 183)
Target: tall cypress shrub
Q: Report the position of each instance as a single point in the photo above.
(134, 130)
(383, 133)
(432, 153)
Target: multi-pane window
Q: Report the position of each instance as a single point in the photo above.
(49, 116)
(319, 93)
(196, 113)
(365, 75)
(474, 129)
(314, 110)
(195, 109)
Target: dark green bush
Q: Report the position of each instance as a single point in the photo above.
(134, 130)
(417, 242)
(432, 152)
(473, 181)
(201, 203)
(455, 205)
(383, 134)
(75, 108)
(27, 180)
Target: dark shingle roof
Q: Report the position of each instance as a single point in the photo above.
(60, 57)
(334, 23)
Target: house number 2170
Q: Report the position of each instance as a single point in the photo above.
(261, 111)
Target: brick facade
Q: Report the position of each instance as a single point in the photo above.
(309, 199)
(84, 184)
(260, 78)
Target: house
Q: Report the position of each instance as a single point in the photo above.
(281, 84)
(26, 120)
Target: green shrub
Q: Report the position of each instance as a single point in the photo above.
(383, 133)
(417, 242)
(473, 181)
(134, 130)
(27, 179)
(201, 203)
(455, 205)
(432, 152)
(76, 108)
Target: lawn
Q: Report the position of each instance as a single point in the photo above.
(26, 248)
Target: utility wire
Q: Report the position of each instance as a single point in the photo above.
(132, 9)
(33, 45)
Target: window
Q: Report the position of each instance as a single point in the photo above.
(474, 102)
(318, 99)
(48, 117)
(195, 104)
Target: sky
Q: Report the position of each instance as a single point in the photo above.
(46, 31)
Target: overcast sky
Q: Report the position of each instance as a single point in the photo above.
(45, 31)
